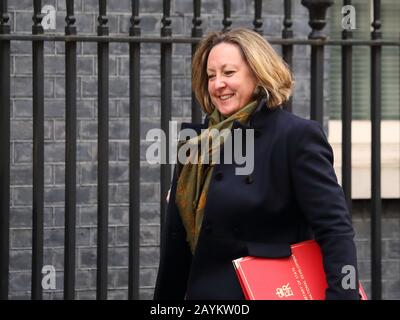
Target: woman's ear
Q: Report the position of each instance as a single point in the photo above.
(260, 92)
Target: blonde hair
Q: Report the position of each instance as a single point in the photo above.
(268, 67)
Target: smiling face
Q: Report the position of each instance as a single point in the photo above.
(231, 82)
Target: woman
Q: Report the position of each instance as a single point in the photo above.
(215, 215)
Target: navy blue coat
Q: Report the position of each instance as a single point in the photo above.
(291, 196)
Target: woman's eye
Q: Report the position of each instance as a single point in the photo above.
(229, 72)
(210, 76)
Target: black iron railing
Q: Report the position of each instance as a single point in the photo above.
(70, 155)
(317, 40)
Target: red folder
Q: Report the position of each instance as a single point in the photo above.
(298, 277)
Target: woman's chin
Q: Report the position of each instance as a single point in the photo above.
(226, 111)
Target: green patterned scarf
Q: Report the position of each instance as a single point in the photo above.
(194, 178)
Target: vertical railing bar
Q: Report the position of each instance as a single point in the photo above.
(287, 50)
(258, 21)
(227, 21)
(347, 56)
(166, 104)
(5, 150)
(38, 153)
(134, 155)
(317, 98)
(37, 5)
(102, 155)
(317, 11)
(376, 201)
(196, 32)
(70, 155)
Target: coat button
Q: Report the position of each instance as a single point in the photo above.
(219, 176)
(208, 229)
(249, 179)
(174, 235)
(236, 231)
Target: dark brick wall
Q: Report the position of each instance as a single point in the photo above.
(390, 245)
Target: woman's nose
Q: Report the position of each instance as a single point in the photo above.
(219, 83)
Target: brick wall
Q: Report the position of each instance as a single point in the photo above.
(390, 245)
(21, 146)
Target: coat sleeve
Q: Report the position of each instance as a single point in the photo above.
(175, 255)
(322, 201)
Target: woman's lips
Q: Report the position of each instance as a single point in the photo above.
(226, 96)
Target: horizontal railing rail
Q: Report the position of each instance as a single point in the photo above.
(182, 39)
